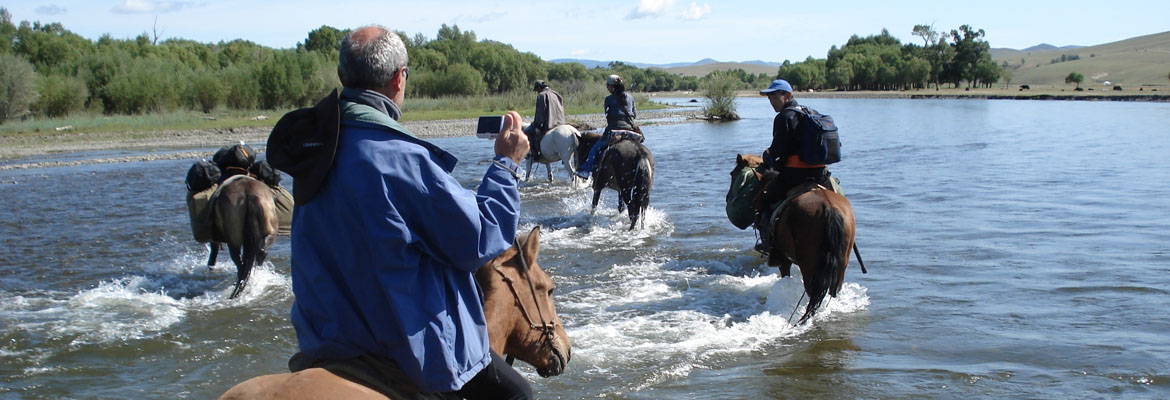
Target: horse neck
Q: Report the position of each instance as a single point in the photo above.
(499, 307)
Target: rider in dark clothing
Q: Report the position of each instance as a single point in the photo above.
(783, 169)
(619, 115)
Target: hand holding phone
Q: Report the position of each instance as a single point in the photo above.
(489, 127)
(512, 142)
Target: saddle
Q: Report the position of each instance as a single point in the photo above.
(776, 213)
(618, 135)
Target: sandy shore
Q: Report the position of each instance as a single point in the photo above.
(163, 145)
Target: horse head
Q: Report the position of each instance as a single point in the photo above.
(746, 160)
(522, 320)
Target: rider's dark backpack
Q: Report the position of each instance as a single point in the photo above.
(819, 142)
(264, 172)
(234, 160)
(202, 175)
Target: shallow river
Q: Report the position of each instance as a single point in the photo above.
(1015, 249)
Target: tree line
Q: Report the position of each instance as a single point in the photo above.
(48, 71)
(882, 62)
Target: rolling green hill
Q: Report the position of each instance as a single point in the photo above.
(1139, 61)
(704, 69)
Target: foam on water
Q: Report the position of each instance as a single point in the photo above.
(574, 227)
(689, 312)
(140, 305)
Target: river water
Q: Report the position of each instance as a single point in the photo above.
(1015, 249)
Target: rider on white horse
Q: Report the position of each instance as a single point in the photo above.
(550, 113)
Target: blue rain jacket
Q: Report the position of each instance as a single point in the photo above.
(383, 256)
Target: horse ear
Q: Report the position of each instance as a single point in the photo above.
(532, 244)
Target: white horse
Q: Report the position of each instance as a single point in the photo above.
(559, 144)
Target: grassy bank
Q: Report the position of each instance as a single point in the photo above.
(422, 109)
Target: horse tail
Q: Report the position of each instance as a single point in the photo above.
(833, 251)
(643, 180)
(253, 245)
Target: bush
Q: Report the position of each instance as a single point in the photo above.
(242, 91)
(17, 86)
(720, 95)
(143, 85)
(60, 95)
(206, 90)
(457, 80)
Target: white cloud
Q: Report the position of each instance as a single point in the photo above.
(579, 52)
(490, 17)
(149, 6)
(650, 8)
(51, 9)
(695, 11)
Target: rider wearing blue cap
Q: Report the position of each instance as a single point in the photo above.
(787, 170)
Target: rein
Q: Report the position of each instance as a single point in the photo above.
(546, 328)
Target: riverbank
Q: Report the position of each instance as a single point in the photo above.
(160, 145)
(1156, 94)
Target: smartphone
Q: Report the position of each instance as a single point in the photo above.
(489, 127)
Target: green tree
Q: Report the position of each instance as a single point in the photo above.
(17, 86)
(206, 90)
(7, 31)
(457, 80)
(242, 90)
(1074, 77)
(324, 39)
(60, 95)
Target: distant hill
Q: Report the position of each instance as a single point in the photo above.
(697, 68)
(704, 69)
(1046, 46)
(1143, 60)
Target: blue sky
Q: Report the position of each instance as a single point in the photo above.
(650, 31)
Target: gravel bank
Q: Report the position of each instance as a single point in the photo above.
(15, 148)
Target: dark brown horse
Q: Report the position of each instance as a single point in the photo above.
(244, 219)
(628, 168)
(522, 322)
(814, 229)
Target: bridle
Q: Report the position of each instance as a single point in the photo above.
(547, 328)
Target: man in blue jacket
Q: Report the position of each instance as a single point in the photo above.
(385, 241)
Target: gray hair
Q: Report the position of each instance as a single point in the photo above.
(370, 61)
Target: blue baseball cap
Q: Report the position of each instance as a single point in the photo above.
(778, 85)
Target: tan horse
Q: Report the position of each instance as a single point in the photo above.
(245, 219)
(521, 321)
(815, 230)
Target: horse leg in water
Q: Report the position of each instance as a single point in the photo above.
(528, 169)
(214, 253)
(596, 195)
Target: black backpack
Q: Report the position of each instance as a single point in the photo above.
(235, 159)
(202, 176)
(819, 141)
(264, 172)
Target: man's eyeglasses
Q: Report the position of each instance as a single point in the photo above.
(406, 73)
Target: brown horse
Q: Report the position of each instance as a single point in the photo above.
(245, 219)
(627, 167)
(522, 323)
(814, 230)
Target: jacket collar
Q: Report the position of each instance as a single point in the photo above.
(357, 112)
(373, 99)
